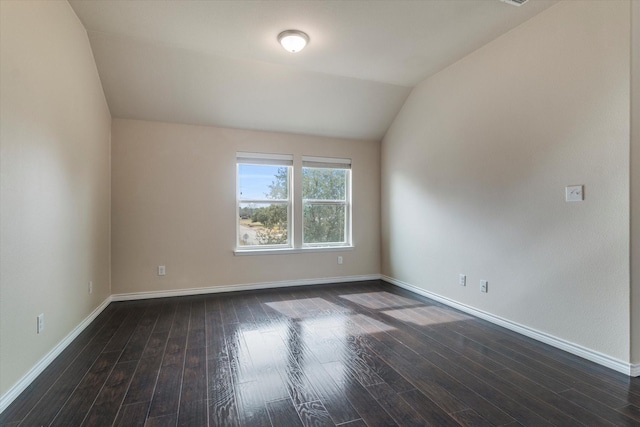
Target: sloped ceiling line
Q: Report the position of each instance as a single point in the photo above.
(218, 62)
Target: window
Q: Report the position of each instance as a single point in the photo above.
(326, 201)
(264, 200)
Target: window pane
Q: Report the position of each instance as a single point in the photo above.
(262, 224)
(324, 184)
(324, 223)
(263, 182)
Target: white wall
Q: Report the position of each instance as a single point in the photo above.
(174, 201)
(635, 181)
(54, 181)
(474, 170)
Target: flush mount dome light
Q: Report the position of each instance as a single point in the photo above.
(293, 40)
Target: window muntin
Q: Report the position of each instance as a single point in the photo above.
(326, 201)
(264, 208)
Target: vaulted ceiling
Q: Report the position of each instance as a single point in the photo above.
(219, 63)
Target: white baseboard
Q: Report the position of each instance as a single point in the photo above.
(578, 350)
(244, 287)
(27, 379)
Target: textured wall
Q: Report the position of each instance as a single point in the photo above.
(174, 201)
(475, 165)
(54, 181)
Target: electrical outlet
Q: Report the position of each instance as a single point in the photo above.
(339, 260)
(462, 280)
(484, 286)
(162, 270)
(40, 323)
(90, 288)
(574, 193)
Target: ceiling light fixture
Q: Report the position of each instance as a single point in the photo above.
(515, 2)
(293, 40)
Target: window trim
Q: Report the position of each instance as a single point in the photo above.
(259, 159)
(293, 218)
(291, 251)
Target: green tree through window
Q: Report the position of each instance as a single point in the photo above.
(274, 217)
(324, 192)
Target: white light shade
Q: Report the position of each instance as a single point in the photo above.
(293, 40)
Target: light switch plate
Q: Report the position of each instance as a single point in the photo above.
(484, 286)
(40, 323)
(462, 280)
(574, 193)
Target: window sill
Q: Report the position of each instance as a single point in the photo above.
(290, 251)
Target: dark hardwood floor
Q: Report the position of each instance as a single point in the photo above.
(366, 354)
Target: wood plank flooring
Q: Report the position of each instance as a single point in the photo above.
(349, 355)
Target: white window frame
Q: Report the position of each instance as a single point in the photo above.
(330, 163)
(280, 160)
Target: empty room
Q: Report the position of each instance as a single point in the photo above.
(348, 213)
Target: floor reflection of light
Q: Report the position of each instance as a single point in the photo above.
(324, 337)
(313, 341)
(259, 353)
(380, 300)
(340, 374)
(262, 348)
(305, 307)
(426, 315)
(369, 325)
